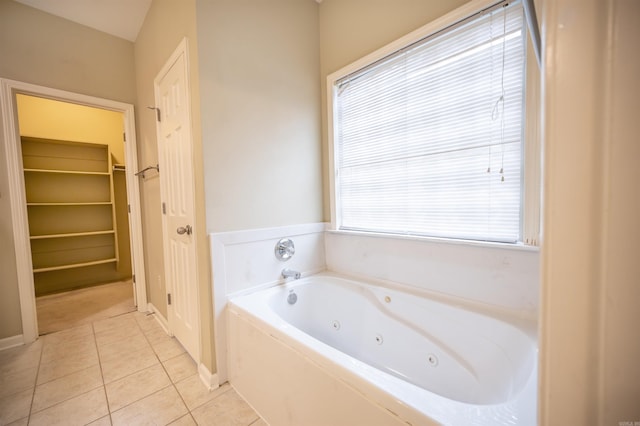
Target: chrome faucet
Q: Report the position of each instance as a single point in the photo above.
(288, 273)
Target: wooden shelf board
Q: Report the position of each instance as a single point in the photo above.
(73, 234)
(96, 203)
(68, 172)
(75, 265)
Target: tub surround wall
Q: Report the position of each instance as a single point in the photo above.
(493, 274)
(244, 261)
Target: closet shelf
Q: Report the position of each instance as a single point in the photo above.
(72, 234)
(75, 265)
(71, 207)
(67, 172)
(93, 203)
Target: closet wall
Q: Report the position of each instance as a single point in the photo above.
(77, 202)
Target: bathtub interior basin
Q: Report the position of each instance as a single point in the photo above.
(428, 356)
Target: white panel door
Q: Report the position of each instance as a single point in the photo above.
(177, 191)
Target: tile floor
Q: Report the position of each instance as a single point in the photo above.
(58, 312)
(123, 370)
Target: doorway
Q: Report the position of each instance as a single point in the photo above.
(25, 266)
(74, 170)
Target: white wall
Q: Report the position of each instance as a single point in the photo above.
(590, 339)
(492, 274)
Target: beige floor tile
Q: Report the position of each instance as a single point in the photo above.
(156, 335)
(168, 348)
(184, 421)
(102, 421)
(147, 322)
(228, 409)
(160, 408)
(52, 352)
(194, 393)
(118, 335)
(66, 387)
(22, 422)
(119, 349)
(128, 363)
(64, 310)
(68, 335)
(70, 363)
(16, 381)
(16, 406)
(20, 358)
(180, 367)
(103, 325)
(132, 388)
(80, 410)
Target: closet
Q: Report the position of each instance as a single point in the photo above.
(76, 198)
(69, 190)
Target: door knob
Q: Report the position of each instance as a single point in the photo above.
(184, 230)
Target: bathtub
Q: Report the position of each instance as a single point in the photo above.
(329, 350)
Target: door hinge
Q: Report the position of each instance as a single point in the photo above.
(168, 298)
(134, 278)
(129, 208)
(164, 208)
(124, 136)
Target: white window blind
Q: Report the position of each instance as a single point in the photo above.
(428, 141)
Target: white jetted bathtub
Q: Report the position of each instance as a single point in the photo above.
(325, 350)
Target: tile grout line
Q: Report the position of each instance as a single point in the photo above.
(104, 386)
(71, 397)
(189, 410)
(138, 371)
(168, 375)
(35, 383)
(135, 372)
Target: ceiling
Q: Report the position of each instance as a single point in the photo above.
(121, 18)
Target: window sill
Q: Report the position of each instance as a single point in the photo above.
(436, 240)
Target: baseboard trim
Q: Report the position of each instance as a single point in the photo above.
(10, 342)
(208, 379)
(161, 319)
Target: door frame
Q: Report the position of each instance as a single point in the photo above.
(17, 199)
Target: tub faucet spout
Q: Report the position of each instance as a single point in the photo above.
(290, 273)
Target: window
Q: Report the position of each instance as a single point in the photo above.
(429, 140)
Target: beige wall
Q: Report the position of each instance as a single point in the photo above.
(260, 100)
(351, 29)
(166, 24)
(42, 49)
(49, 119)
(39, 48)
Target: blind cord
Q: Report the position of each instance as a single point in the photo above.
(500, 102)
(504, 45)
